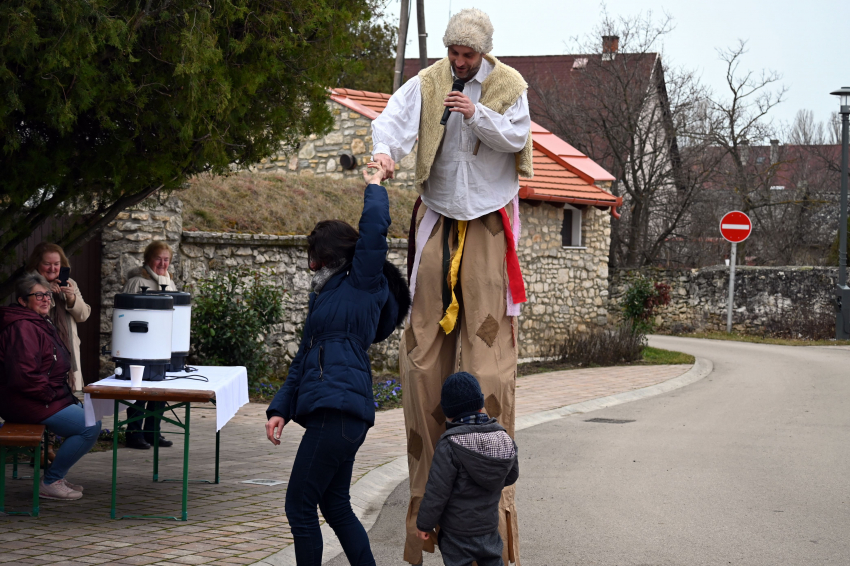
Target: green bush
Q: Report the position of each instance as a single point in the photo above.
(640, 301)
(232, 313)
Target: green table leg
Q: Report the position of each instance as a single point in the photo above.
(36, 477)
(157, 423)
(114, 460)
(14, 465)
(217, 444)
(35, 452)
(2, 479)
(186, 465)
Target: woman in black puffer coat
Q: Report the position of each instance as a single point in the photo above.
(328, 390)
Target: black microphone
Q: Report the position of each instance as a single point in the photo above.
(456, 86)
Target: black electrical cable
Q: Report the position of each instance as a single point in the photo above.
(203, 378)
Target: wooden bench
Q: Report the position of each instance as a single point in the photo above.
(21, 439)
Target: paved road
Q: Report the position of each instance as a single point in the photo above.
(749, 466)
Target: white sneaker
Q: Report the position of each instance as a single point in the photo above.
(57, 490)
(73, 486)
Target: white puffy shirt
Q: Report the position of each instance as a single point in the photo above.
(461, 185)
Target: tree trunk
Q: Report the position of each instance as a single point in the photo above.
(423, 36)
(402, 43)
(635, 235)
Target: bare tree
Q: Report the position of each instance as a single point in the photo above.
(641, 120)
(741, 118)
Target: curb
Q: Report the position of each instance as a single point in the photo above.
(372, 490)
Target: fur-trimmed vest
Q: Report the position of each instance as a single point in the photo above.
(499, 91)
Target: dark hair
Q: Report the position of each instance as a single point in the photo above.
(27, 282)
(332, 242)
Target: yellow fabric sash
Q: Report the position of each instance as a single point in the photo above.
(450, 318)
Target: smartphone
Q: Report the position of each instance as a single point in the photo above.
(64, 273)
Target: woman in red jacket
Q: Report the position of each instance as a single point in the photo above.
(34, 382)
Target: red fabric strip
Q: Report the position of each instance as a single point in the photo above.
(514, 272)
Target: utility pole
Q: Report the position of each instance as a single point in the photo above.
(842, 291)
(730, 302)
(403, 19)
(423, 35)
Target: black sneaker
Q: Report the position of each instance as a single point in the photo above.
(163, 443)
(137, 441)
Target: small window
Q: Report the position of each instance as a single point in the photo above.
(580, 63)
(571, 228)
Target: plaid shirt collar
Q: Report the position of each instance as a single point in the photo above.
(477, 418)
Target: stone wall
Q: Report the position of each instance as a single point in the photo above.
(124, 241)
(285, 259)
(351, 133)
(567, 288)
(699, 296)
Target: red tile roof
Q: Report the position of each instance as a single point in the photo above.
(561, 172)
(366, 103)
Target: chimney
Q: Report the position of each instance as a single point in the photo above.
(744, 151)
(774, 152)
(610, 43)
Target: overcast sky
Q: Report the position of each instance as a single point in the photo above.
(804, 41)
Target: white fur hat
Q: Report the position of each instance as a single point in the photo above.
(471, 28)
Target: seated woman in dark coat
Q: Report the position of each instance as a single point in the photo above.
(328, 390)
(35, 386)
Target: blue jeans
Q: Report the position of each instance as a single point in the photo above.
(70, 424)
(321, 476)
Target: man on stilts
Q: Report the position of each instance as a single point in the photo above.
(464, 272)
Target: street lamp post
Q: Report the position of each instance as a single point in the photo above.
(842, 291)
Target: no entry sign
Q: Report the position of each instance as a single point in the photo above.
(736, 226)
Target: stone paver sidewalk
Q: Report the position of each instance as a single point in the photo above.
(231, 523)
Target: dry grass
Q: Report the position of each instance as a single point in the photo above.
(268, 203)
(755, 339)
(649, 357)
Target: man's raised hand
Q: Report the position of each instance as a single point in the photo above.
(387, 164)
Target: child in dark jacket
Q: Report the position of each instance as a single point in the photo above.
(473, 461)
(328, 390)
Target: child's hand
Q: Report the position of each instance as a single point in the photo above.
(374, 173)
(422, 534)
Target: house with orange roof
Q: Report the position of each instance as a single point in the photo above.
(565, 209)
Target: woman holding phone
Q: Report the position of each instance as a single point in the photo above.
(67, 307)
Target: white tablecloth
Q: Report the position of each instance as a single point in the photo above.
(229, 383)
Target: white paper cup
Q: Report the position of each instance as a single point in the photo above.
(136, 374)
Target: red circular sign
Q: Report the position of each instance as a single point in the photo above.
(736, 226)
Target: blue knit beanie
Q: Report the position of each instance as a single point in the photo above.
(461, 395)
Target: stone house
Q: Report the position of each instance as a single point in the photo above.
(565, 210)
(564, 246)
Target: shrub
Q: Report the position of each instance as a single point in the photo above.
(601, 346)
(802, 322)
(233, 312)
(640, 301)
(265, 390)
(387, 394)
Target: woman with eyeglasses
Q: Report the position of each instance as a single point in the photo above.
(35, 387)
(68, 307)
